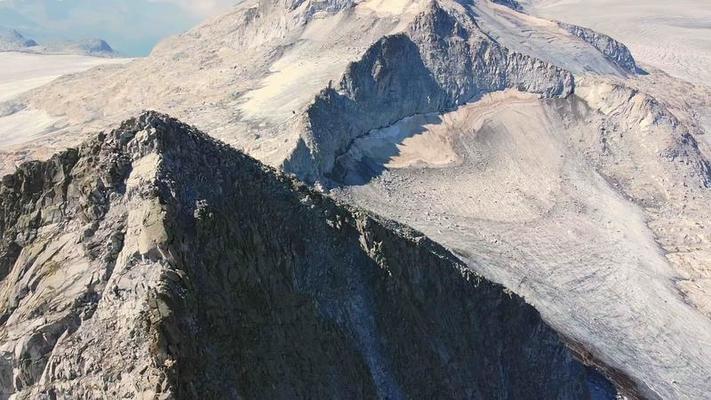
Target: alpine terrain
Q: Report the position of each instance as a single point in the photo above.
(155, 262)
(538, 154)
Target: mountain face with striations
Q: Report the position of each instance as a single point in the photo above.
(542, 154)
(155, 262)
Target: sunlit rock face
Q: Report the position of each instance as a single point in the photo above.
(155, 261)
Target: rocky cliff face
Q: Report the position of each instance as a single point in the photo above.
(443, 60)
(513, 4)
(155, 262)
(611, 48)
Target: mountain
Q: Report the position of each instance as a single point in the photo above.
(87, 47)
(259, 75)
(544, 155)
(11, 40)
(156, 262)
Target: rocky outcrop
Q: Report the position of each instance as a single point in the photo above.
(611, 48)
(155, 262)
(442, 61)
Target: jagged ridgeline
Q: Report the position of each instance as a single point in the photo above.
(156, 262)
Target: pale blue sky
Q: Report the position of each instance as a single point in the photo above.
(132, 27)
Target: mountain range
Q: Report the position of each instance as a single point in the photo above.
(12, 40)
(529, 152)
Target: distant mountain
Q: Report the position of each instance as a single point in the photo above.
(89, 47)
(12, 40)
(132, 27)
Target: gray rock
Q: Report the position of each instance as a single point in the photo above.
(611, 48)
(513, 4)
(443, 60)
(156, 262)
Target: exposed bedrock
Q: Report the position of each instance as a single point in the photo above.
(615, 51)
(442, 61)
(193, 271)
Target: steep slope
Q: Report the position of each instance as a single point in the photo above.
(155, 262)
(592, 207)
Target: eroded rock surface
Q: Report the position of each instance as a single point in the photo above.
(155, 262)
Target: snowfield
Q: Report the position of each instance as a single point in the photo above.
(20, 72)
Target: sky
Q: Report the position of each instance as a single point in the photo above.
(132, 27)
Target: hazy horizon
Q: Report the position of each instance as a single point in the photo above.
(131, 27)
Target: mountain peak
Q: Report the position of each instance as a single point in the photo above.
(11, 40)
(203, 271)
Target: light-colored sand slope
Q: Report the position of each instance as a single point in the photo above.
(574, 211)
(20, 72)
(672, 35)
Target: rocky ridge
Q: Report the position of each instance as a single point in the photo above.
(616, 51)
(397, 77)
(156, 262)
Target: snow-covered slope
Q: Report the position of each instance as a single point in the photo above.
(22, 72)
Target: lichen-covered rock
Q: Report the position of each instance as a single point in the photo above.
(155, 262)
